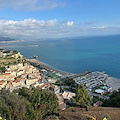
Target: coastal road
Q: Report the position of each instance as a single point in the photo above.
(95, 94)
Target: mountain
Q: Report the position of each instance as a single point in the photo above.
(6, 39)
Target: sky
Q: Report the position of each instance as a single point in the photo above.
(34, 19)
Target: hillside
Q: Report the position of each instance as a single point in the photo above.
(6, 39)
(98, 112)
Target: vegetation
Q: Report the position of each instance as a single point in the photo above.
(1, 49)
(6, 51)
(81, 98)
(26, 104)
(14, 51)
(2, 69)
(114, 100)
(66, 82)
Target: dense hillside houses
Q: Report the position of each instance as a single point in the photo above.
(21, 74)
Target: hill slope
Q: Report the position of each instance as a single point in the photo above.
(98, 112)
(6, 39)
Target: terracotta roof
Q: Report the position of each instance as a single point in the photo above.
(99, 103)
(18, 78)
(6, 73)
(10, 82)
(1, 82)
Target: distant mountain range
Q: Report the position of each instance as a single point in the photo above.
(6, 39)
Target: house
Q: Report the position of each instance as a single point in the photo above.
(35, 85)
(54, 88)
(17, 55)
(68, 95)
(2, 84)
(97, 104)
(18, 82)
(45, 86)
(38, 76)
(13, 67)
(100, 91)
(31, 81)
(9, 84)
(1, 54)
(6, 76)
(41, 83)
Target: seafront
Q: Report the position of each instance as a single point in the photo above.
(40, 64)
(110, 81)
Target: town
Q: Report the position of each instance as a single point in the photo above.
(17, 72)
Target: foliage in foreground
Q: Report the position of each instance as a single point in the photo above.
(82, 98)
(114, 100)
(26, 104)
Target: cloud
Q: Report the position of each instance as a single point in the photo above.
(99, 27)
(31, 5)
(89, 22)
(70, 23)
(32, 28)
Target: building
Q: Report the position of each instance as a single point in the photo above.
(31, 81)
(97, 104)
(100, 91)
(68, 95)
(2, 84)
(54, 88)
(109, 89)
(17, 55)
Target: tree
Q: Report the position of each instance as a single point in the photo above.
(27, 104)
(81, 98)
(15, 52)
(7, 51)
(2, 69)
(114, 100)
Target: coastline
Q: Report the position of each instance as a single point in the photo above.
(111, 81)
(48, 67)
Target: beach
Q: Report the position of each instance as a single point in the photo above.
(47, 67)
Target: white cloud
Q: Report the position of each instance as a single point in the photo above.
(31, 5)
(100, 27)
(70, 23)
(32, 28)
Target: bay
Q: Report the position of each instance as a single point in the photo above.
(75, 55)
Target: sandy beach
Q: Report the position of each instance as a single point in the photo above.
(114, 83)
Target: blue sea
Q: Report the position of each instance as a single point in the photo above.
(75, 55)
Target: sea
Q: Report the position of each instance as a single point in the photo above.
(75, 54)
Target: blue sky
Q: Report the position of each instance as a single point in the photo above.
(58, 18)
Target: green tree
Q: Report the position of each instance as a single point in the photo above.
(114, 100)
(7, 51)
(2, 69)
(14, 51)
(82, 98)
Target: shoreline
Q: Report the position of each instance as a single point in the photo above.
(48, 67)
(111, 81)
